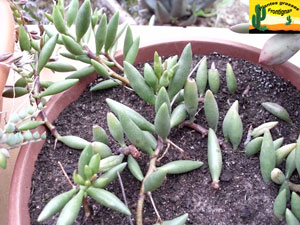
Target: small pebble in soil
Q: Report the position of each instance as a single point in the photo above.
(226, 176)
(245, 212)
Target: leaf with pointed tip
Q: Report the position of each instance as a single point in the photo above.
(72, 13)
(112, 29)
(137, 118)
(83, 19)
(108, 199)
(100, 36)
(55, 205)
(179, 78)
(71, 210)
(73, 141)
(46, 53)
(138, 83)
(58, 87)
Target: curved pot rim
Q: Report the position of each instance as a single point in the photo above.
(21, 181)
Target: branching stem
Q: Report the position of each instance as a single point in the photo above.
(50, 126)
(115, 62)
(195, 126)
(112, 73)
(165, 152)
(176, 146)
(151, 169)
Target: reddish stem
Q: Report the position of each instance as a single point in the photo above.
(87, 211)
(194, 126)
(151, 168)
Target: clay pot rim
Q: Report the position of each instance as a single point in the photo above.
(24, 167)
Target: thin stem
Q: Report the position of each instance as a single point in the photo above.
(174, 99)
(176, 146)
(124, 195)
(165, 152)
(179, 149)
(115, 62)
(200, 130)
(128, 88)
(195, 126)
(194, 69)
(112, 73)
(151, 169)
(65, 174)
(154, 207)
(197, 112)
(50, 126)
(24, 143)
(87, 211)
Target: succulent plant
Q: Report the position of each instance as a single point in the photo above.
(170, 11)
(87, 183)
(38, 55)
(167, 85)
(18, 131)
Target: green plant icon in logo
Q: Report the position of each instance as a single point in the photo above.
(260, 15)
(289, 20)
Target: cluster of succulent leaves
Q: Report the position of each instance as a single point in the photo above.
(38, 48)
(32, 13)
(171, 11)
(165, 82)
(136, 128)
(19, 130)
(94, 158)
(272, 154)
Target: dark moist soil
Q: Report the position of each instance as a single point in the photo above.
(243, 197)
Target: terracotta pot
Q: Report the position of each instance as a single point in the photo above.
(6, 40)
(21, 182)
